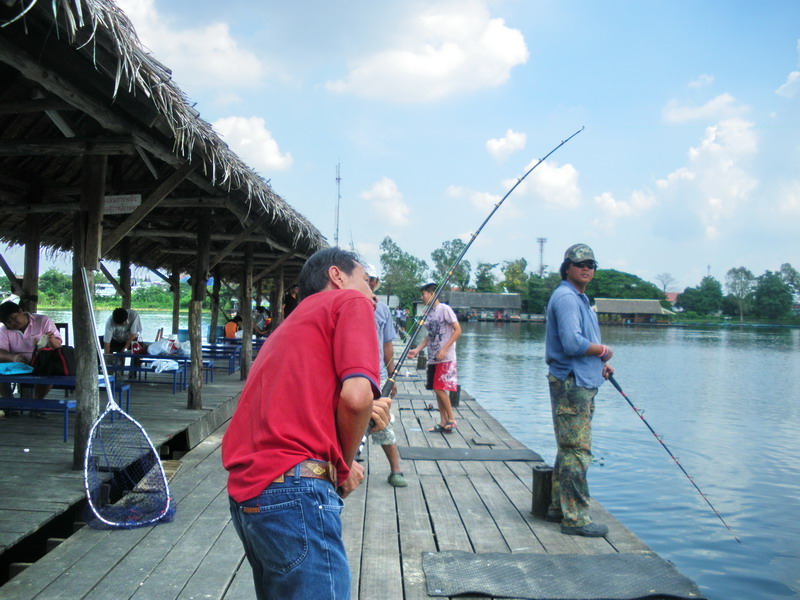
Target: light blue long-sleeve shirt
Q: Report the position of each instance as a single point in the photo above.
(571, 327)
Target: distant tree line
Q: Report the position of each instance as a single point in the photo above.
(403, 274)
(55, 291)
(768, 296)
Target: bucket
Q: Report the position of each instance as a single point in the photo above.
(183, 335)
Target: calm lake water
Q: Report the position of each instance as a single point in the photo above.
(726, 402)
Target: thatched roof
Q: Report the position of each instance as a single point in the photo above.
(482, 300)
(75, 81)
(629, 307)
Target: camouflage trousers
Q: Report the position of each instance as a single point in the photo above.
(573, 408)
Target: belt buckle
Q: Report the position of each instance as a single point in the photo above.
(317, 468)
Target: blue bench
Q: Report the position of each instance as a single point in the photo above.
(45, 405)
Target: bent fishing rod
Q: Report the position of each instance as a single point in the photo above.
(390, 382)
(640, 412)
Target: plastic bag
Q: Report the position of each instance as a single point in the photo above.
(163, 346)
(162, 364)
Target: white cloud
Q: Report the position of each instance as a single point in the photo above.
(790, 199)
(451, 47)
(717, 181)
(253, 142)
(679, 174)
(789, 89)
(200, 57)
(611, 209)
(702, 81)
(505, 146)
(554, 185)
(723, 106)
(388, 201)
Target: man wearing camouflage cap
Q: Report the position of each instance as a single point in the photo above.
(578, 364)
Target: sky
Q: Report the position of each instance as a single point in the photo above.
(688, 163)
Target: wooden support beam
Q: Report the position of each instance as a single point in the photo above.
(239, 239)
(19, 107)
(164, 188)
(93, 182)
(175, 288)
(246, 312)
(69, 147)
(38, 209)
(13, 280)
(199, 286)
(125, 273)
(147, 162)
(30, 279)
(86, 390)
(155, 271)
(212, 329)
(276, 265)
(111, 279)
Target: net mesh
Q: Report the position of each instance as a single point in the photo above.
(124, 478)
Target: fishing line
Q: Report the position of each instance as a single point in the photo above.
(640, 412)
(390, 382)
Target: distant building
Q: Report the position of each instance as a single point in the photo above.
(631, 311)
(477, 305)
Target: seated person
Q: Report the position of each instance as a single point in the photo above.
(232, 326)
(261, 321)
(19, 333)
(122, 327)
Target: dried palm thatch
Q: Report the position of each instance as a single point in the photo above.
(84, 22)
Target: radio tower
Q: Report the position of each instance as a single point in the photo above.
(338, 200)
(542, 241)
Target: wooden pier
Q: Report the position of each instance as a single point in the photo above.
(478, 506)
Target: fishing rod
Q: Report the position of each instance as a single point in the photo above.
(390, 382)
(640, 412)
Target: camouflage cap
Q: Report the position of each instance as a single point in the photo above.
(578, 253)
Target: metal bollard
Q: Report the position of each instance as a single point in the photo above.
(542, 482)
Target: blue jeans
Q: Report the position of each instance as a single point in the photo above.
(292, 536)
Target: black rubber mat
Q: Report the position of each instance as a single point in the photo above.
(555, 576)
(426, 453)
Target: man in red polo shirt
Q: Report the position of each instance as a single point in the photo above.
(291, 443)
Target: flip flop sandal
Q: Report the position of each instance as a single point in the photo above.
(439, 429)
(450, 427)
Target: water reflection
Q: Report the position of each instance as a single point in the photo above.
(725, 400)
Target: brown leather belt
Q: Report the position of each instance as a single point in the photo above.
(314, 469)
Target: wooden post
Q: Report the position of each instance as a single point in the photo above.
(30, 278)
(87, 232)
(280, 291)
(125, 272)
(175, 288)
(199, 285)
(212, 332)
(247, 311)
(92, 191)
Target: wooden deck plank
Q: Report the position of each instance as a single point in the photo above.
(507, 516)
(215, 573)
(381, 576)
(448, 529)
